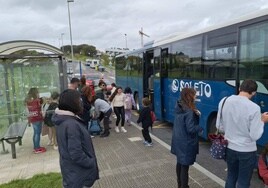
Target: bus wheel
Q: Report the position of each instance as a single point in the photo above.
(136, 98)
(212, 125)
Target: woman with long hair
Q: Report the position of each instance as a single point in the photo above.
(82, 83)
(78, 161)
(86, 97)
(185, 135)
(117, 102)
(35, 117)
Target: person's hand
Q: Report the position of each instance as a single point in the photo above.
(198, 112)
(264, 117)
(201, 131)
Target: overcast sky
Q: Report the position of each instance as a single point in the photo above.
(104, 23)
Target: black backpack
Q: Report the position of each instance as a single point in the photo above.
(49, 112)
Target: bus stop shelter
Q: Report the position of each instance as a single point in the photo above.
(23, 65)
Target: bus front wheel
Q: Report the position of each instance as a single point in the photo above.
(212, 125)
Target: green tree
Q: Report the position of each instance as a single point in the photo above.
(82, 49)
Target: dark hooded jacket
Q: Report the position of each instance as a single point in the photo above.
(145, 117)
(184, 142)
(77, 156)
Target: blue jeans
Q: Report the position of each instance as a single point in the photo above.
(240, 168)
(37, 127)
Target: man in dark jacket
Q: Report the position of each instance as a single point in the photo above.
(77, 156)
(101, 90)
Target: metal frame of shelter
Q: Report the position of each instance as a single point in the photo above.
(9, 57)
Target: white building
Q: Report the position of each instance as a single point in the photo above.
(115, 51)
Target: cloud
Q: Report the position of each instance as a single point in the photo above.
(104, 23)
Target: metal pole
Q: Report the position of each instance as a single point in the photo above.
(126, 40)
(62, 42)
(141, 38)
(59, 42)
(80, 67)
(72, 51)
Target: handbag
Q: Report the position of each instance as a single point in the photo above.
(44, 130)
(219, 144)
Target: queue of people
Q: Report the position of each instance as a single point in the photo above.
(121, 103)
(241, 129)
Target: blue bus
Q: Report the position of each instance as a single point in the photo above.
(213, 61)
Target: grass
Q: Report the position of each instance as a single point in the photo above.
(50, 180)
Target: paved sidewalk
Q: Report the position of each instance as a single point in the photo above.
(124, 162)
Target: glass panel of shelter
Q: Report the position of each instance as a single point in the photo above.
(16, 79)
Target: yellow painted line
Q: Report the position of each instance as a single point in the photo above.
(161, 125)
(135, 113)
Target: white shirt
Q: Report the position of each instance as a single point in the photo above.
(241, 122)
(118, 100)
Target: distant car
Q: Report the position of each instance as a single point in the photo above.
(90, 78)
(101, 68)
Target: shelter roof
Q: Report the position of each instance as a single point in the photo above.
(8, 48)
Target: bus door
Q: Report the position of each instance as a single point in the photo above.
(253, 53)
(147, 73)
(160, 73)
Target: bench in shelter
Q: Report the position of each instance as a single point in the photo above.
(13, 134)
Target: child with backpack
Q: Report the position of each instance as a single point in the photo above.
(48, 115)
(263, 166)
(128, 103)
(45, 129)
(146, 120)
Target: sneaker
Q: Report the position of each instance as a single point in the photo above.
(128, 123)
(123, 130)
(105, 134)
(43, 149)
(149, 144)
(39, 150)
(145, 142)
(117, 129)
(36, 151)
(49, 143)
(55, 147)
(91, 136)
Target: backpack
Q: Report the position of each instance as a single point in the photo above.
(153, 117)
(48, 115)
(128, 102)
(94, 127)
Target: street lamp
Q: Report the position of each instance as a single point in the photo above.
(126, 40)
(62, 41)
(72, 51)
